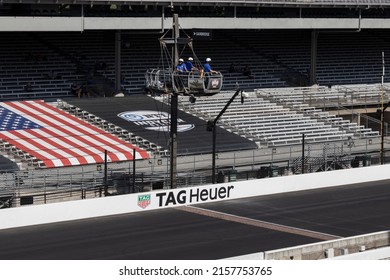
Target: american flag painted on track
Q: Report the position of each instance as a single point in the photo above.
(58, 138)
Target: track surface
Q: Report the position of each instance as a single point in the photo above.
(210, 231)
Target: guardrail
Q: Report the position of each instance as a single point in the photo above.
(332, 248)
(32, 186)
(372, 246)
(162, 199)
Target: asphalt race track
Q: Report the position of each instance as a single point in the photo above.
(232, 228)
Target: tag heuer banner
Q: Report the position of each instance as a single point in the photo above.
(143, 200)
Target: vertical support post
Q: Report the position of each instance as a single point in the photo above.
(105, 174)
(173, 153)
(382, 136)
(303, 153)
(133, 170)
(382, 132)
(313, 61)
(117, 61)
(212, 125)
(176, 35)
(82, 18)
(214, 153)
(174, 105)
(162, 19)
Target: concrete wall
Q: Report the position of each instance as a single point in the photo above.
(333, 248)
(81, 209)
(41, 24)
(131, 23)
(373, 246)
(374, 254)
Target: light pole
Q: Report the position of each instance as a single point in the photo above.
(382, 111)
(382, 120)
(303, 153)
(211, 126)
(105, 174)
(174, 98)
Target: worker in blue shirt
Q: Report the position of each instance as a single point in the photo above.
(190, 66)
(181, 74)
(181, 67)
(207, 72)
(207, 67)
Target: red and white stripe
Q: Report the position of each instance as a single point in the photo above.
(64, 139)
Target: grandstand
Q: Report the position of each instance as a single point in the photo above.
(272, 58)
(315, 101)
(316, 71)
(273, 124)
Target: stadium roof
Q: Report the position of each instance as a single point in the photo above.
(256, 3)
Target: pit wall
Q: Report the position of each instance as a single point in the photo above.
(138, 202)
(372, 246)
(347, 248)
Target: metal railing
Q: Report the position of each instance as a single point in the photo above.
(25, 187)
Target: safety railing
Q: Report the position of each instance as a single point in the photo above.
(24, 187)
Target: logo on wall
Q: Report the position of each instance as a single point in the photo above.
(154, 120)
(215, 83)
(202, 34)
(143, 200)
